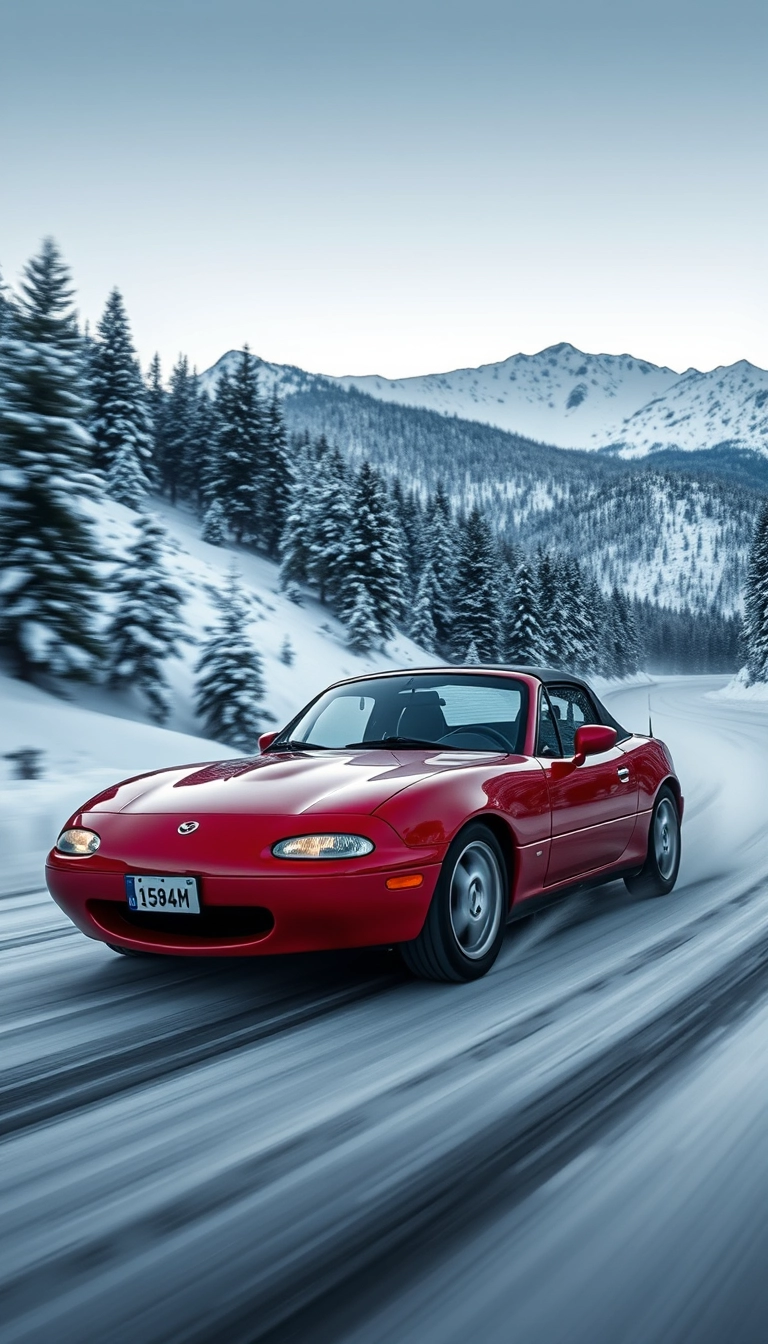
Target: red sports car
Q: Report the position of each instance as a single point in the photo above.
(422, 809)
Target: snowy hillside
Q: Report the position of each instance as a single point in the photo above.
(98, 736)
(563, 397)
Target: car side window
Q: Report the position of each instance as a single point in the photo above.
(548, 737)
(572, 707)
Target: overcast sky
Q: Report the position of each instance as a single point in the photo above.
(397, 187)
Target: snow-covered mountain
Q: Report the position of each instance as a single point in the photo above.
(728, 406)
(559, 396)
(564, 397)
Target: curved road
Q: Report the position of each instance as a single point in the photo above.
(316, 1149)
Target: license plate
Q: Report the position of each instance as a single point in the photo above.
(163, 895)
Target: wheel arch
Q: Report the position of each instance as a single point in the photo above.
(673, 784)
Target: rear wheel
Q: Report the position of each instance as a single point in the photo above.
(658, 875)
(464, 928)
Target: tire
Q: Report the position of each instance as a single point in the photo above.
(128, 951)
(658, 875)
(465, 923)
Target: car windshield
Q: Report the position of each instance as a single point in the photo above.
(455, 711)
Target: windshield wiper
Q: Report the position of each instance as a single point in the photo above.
(397, 742)
(292, 745)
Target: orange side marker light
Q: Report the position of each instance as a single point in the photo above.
(404, 882)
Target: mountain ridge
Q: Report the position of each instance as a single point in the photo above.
(568, 398)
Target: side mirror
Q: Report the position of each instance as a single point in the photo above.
(591, 739)
(267, 739)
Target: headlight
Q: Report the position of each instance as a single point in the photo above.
(322, 847)
(78, 842)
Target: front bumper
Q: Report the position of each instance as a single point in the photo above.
(279, 906)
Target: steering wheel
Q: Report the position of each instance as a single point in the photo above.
(480, 730)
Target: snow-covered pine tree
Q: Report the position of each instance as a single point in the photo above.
(476, 601)
(362, 624)
(472, 657)
(230, 685)
(126, 480)
(120, 422)
(157, 410)
(241, 448)
(577, 618)
(49, 559)
(214, 524)
(178, 430)
(755, 626)
(287, 652)
(330, 525)
(439, 548)
(621, 642)
(422, 628)
(410, 518)
(523, 624)
(296, 538)
(597, 614)
(146, 627)
(546, 588)
(276, 483)
(373, 560)
(201, 449)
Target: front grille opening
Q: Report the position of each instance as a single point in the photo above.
(223, 922)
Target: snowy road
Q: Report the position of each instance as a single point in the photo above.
(572, 1149)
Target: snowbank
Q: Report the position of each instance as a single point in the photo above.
(738, 688)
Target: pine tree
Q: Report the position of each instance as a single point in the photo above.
(202, 462)
(120, 418)
(439, 549)
(476, 601)
(241, 448)
(214, 525)
(755, 627)
(229, 684)
(147, 627)
(276, 482)
(422, 628)
(329, 526)
(49, 561)
(362, 624)
(296, 539)
(126, 481)
(621, 643)
(472, 657)
(157, 411)
(523, 628)
(178, 431)
(546, 582)
(373, 561)
(287, 652)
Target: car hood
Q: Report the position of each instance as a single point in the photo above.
(286, 784)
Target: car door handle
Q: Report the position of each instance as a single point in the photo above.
(623, 774)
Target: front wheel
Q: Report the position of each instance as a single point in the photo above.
(658, 875)
(464, 928)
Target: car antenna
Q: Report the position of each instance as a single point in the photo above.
(650, 720)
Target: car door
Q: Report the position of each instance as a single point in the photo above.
(593, 805)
